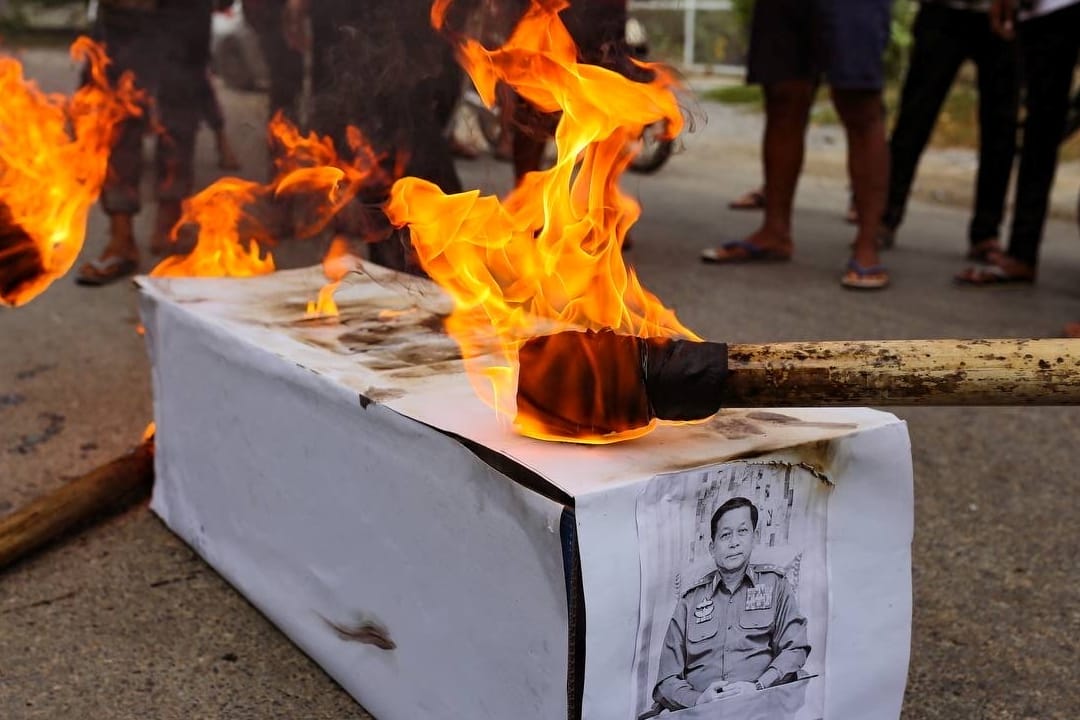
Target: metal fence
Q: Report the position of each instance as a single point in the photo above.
(707, 36)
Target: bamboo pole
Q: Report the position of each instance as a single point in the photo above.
(904, 372)
(109, 488)
(598, 384)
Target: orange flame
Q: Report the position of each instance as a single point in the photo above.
(336, 265)
(549, 257)
(309, 166)
(220, 251)
(54, 154)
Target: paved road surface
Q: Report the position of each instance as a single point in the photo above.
(125, 622)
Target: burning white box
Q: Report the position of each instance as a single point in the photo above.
(344, 477)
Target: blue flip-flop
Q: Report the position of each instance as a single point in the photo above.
(751, 253)
(859, 277)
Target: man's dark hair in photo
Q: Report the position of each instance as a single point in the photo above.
(733, 504)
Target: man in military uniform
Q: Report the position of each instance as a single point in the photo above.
(736, 630)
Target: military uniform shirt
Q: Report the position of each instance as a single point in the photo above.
(717, 634)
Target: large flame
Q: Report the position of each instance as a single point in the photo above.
(54, 155)
(549, 257)
(230, 243)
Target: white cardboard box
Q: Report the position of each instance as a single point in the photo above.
(343, 476)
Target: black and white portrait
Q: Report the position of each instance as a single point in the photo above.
(734, 589)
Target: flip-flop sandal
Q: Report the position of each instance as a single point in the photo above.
(753, 200)
(741, 251)
(991, 275)
(104, 271)
(858, 277)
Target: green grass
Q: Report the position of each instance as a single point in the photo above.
(737, 95)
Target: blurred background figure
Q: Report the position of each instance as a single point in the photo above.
(214, 117)
(381, 67)
(285, 62)
(165, 43)
(1049, 37)
(947, 33)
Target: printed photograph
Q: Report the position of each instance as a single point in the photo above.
(734, 594)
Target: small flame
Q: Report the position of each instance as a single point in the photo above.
(220, 251)
(336, 265)
(549, 257)
(150, 431)
(230, 242)
(54, 155)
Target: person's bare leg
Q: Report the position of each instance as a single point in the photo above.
(787, 111)
(120, 257)
(121, 238)
(862, 113)
(165, 219)
(227, 159)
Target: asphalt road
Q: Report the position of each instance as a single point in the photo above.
(124, 621)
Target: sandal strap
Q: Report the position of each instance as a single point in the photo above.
(863, 271)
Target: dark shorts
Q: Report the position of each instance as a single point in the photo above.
(803, 39)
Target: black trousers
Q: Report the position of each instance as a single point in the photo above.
(1051, 48)
(943, 39)
(166, 49)
(379, 66)
(285, 64)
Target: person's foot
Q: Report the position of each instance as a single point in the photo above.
(999, 269)
(119, 259)
(762, 246)
(752, 200)
(864, 269)
(865, 277)
(227, 159)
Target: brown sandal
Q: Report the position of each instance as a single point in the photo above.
(1000, 271)
(105, 271)
(753, 200)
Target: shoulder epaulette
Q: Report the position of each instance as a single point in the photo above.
(769, 567)
(703, 580)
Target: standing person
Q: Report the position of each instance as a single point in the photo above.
(1049, 35)
(946, 33)
(285, 63)
(212, 113)
(161, 43)
(380, 66)
(792, 42)
(214, 117)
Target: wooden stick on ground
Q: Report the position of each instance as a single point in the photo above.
(107, 489)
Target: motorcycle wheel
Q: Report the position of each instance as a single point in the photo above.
(655, 150)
